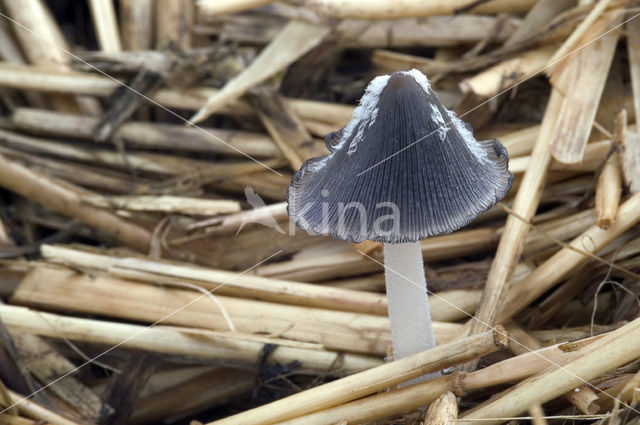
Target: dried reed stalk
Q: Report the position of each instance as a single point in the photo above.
(166, 204)
(47, 365)
(231, 223)
(540, 14)
(395, 402)
(595, 359)
(629, 156)
(66, 200)
(136, 22)
(38, 412)
(591, 161)
(222, 7)
(515, 231)
(223, 282)
(584, 398)
(443, 411)
(609, 186)
(43, 44)
(65, 289)
(198, 393)
(352, 263)
(141, 161)
(296, 39)
(568, 258)
(286, 128)
(583, 92)
(508, 73)
(174, 21)
(379, 406)
(49, 80)
(148, 135)
(388, 9)
(370, 381)
(184, 343)
(537, 414)
(435, 31)
(578, 35)
(104, 21)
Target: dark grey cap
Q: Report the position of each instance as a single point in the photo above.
(403, 169)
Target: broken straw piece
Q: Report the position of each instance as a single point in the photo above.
(295, 40)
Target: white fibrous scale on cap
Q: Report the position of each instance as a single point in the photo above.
(420, 78)
(443, 127)
(467, 136)
(365, 114)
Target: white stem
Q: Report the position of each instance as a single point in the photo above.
(411, 329)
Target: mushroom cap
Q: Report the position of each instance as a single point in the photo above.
(403, 169)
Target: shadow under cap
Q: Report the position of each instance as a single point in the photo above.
(439, 184)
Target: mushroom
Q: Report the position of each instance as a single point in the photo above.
(403, 169)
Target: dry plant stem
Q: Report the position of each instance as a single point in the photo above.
(372, 380)
(10, 53)
(353, 263)
(629, 156)
(567, 259)
(555, 302)
(47, 365)
(591, 160)
(633, 51)
(39, 79)
(37, 412)
(537, 414)
(181, 343)
(608, 191)
(174, 21)
(294, 40)
(391, 403)
(379, 406)
(149, 135)
(583, 91)
(443, 411)
(597, 358)
(68, 290)
(408, 303)
(166, 203)
(505, 74)
(515, 231)
(34, 15)
(540, 14)
(584, 398)
(232, 222)
(435, 31)
(5, 400)
(389, 9)
(9, 50)
(395, 402)
(524, 341)
(574, 39)
(223, 7)
(57, 196)
(136, 20)
(201, 392)
(142, 161)
(104, 21)
(225, 282)
(286, 128)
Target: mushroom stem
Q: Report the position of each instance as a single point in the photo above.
(409, 315)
